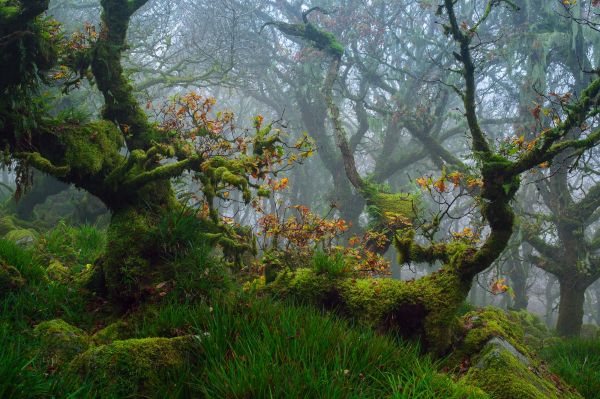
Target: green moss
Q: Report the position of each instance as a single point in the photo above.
(136, 367)
(416, 309)
(535, 331)
(503, 376)
(59, 342)
(118, 330)
(21, 236)
(126, 265)
(58, 272)
(92, 148)
(482, 325)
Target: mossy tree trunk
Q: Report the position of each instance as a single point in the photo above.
(428, 306)
(134, 184)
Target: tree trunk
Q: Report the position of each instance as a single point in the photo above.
(133, 259)
(570, 309)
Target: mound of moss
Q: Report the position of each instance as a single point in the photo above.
(493, 356)
(59, 342)
(415, 309)
(137, 367)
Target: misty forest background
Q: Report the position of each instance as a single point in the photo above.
(336, 198)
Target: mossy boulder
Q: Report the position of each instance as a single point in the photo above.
(504, 373)
(492, 355)
(59, 342)
(137, 367)
(534, 330)
(119, 330)
(10, 279)
(22, 236)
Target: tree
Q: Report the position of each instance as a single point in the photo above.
(123, 159)
(428, 306)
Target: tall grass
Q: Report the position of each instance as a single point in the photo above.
(76, 246)
(331, 264)
(577, 361)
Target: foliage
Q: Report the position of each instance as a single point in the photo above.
(73, 246)
(577, 361)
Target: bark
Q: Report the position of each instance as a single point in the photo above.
(570, 309)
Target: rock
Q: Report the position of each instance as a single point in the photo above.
(21, 236)
(494, 357)
(136, 367)
(59, 342)
(502, 344)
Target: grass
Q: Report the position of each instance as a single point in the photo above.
(333, 265)
(73, 246)
(577, 361)
(262, 348)
(254, 347)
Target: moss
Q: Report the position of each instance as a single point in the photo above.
(59, 342)
(416, 309)
(21, 236)
(118, 330)
(482, 325)
(535, 331)
(136, 367)
(503, 376)
(10, 279)
(91, 148)
(58, 272)
(126, 265)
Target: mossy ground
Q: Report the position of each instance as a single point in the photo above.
(59, 340)
(199, 335)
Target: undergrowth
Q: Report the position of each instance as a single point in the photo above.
(577, 361)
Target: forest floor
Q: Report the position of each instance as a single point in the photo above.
(207, 335)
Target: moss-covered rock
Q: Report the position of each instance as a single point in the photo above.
(504, 373)
(21, 236)
(10, 279)
(492, 355)
(535, 331)
(119, 330)
(136, 367)
(59, 342)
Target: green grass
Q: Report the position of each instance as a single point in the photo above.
(577, 361)
(73, 246)
(253, 347)
(261, 348)
(333, 265)
(22, 259)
